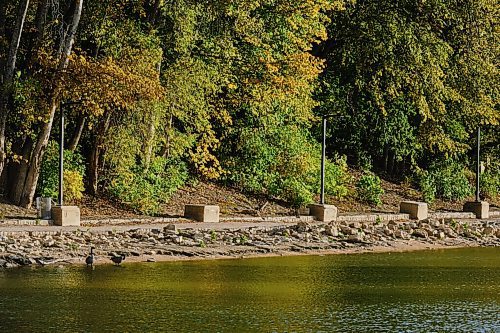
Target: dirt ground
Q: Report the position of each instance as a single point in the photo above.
(235, 203)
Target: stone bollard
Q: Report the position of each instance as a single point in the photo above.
(202, 213)
(66, 215)
(417, 210)
(480, 208)
(323, 212)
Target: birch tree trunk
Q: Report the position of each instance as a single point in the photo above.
(33, 172)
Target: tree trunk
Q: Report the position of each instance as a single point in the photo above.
(386, 157)
(75, 139)
(94, 169)
(147, 149)
(392, 162)
(31, 175)
(15, 184)
(9, 75)
(95, 154)
(39, 33)
(165, 150)
(3, 50)
(153, 13)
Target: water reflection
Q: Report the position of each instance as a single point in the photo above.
(443, 291)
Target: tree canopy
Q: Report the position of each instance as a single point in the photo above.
(157, 92)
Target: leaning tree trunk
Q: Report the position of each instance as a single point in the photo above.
(31, 176)
(33, 170)
(75, 139)
(9, 75)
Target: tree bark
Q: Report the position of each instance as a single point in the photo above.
(15, 184)
(386, 157)
(75, 139)
(392, 161)
(153, 13)
(165, 150)
(95, 155)
(33, 172)
(149, 143)
(2, 34)
(94, 169)
(39, 33)
(9, 76)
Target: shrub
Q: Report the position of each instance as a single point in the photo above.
(146, 189)
(73, 185)
(448, 180)
(283, 161)
(427, 186)
(337, 177)
(74, 169)
(490, 182)
(295, 192)
(369, 189)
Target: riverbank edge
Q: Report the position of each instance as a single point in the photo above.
(398, 248)
(170, 243)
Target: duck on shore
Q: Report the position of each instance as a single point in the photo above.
(90, 259)
(117, 259)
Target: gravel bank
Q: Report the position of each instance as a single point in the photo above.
(167, 242)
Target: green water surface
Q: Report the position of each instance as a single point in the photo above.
(430, 291)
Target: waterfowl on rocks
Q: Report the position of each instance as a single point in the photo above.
(90, 259)
(118, 259)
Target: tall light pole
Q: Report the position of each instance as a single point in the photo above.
(323, 158)
(478, 163)
(61, 151)
(61, 158)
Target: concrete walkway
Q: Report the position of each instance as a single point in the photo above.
(7, 227)
(10, 229)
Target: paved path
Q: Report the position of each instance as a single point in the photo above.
(120, 228)
(120, 225)
(6, 230)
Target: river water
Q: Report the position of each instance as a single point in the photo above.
(454, 290)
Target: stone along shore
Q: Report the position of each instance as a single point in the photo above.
(170, 243)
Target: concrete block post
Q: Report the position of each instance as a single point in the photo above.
(323, 212)
(66, 215)
(202, 213)
(480, 208)
(417, 210)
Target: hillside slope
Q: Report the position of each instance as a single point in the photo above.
(235, 203)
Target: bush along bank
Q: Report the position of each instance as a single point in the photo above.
(38, 248)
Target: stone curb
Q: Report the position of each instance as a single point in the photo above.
(292, 219)
(494, 213)
(372, 217)
(452, 215)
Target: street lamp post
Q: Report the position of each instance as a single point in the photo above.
(480, 208)
(322, 211)
(61, 159)
(64, 215)
(61, 152)
(478, 163)
(323, 158)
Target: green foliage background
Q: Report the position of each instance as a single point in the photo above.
(234, 90)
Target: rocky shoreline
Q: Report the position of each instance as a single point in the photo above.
(170, 243)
